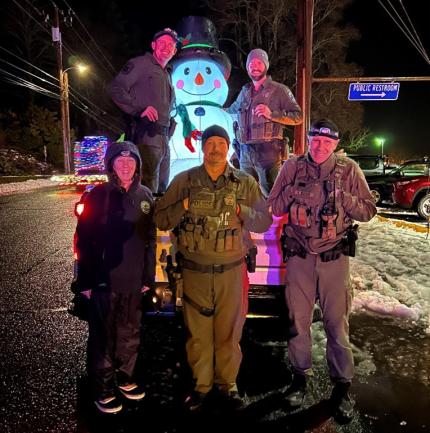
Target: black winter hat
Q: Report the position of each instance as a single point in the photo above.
(215, 130)
(325, 128)
(124, 148)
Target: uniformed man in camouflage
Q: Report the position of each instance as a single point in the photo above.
(143, 90)
(209, 206)
(263, 108)
(323, 194)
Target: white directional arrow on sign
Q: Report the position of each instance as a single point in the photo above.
(374, 94)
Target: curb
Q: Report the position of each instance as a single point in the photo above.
(403, 224)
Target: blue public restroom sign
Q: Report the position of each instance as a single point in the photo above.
(373, 91)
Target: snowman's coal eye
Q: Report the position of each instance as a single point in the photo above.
(208, 70)
(187, 71)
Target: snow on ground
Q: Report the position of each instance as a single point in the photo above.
(28, 185)
(390, 273)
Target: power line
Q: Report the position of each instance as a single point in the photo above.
(25, 83)
(66, 47)
(414, 40)
(29, 73)
(72, 91)
(18, 81)
(88, 33)
(29, 63)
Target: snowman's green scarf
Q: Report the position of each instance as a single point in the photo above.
(188, 129)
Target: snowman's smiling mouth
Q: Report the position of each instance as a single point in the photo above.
(199, 94)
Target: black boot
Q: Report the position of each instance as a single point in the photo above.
(295, 393)
(341, 401)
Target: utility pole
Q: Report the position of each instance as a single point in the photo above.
(305, 10)
(64, 92)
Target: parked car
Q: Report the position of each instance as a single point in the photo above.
(369, 164)
(382, 186)
(413, 190)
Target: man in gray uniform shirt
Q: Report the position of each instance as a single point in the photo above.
(143, 90)
(263, 108)
(322, 193)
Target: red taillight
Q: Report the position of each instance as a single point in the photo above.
(79, 208)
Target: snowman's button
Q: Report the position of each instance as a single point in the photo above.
(199, 111)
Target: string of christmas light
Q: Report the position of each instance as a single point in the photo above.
(89, 154)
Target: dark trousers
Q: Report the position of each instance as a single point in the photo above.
(114, 339)
(155, 155)
(263, 161)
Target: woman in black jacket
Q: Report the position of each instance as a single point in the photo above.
(116, 242)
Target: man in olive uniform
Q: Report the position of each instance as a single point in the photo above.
(143, 90)
(263, 108)
(209, 206)
(322, 193)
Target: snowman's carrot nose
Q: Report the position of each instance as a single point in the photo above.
(199, 79)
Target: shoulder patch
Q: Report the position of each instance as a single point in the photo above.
(145, 206)
(129, 66)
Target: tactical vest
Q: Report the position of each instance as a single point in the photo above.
(254, 129)
(314, 201)
(211, 223)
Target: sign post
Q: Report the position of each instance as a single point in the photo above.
(373, 91)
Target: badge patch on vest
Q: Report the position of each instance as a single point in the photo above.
(145, 206)
(229, 200)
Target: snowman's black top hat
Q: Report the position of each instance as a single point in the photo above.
(197, 36)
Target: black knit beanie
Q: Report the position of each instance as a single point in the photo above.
(217, 131)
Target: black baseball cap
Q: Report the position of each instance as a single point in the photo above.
(325, 128)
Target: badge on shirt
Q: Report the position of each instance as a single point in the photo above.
(229, 200)
(145, 206)
(127, 68)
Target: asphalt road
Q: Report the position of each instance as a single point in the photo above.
(43, 387)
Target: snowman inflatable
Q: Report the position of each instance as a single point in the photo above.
(200, 74)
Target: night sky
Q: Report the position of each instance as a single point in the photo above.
(385, 51)
(382, 51)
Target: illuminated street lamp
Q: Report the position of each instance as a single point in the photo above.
(65, 115)
(380, 142)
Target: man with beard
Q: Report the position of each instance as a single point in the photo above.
(208, 207)
(143, 90)
(263, 108)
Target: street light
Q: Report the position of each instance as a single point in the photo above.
(65, 115)
(380, 142)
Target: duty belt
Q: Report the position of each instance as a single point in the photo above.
(210, 269)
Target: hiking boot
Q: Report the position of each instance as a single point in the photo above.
(195, 401)
(341, 401)
(295, 393)
(132, 391)
(108, 405)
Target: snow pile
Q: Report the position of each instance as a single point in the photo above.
(19, 162)
(390, 272)
(28, 185)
